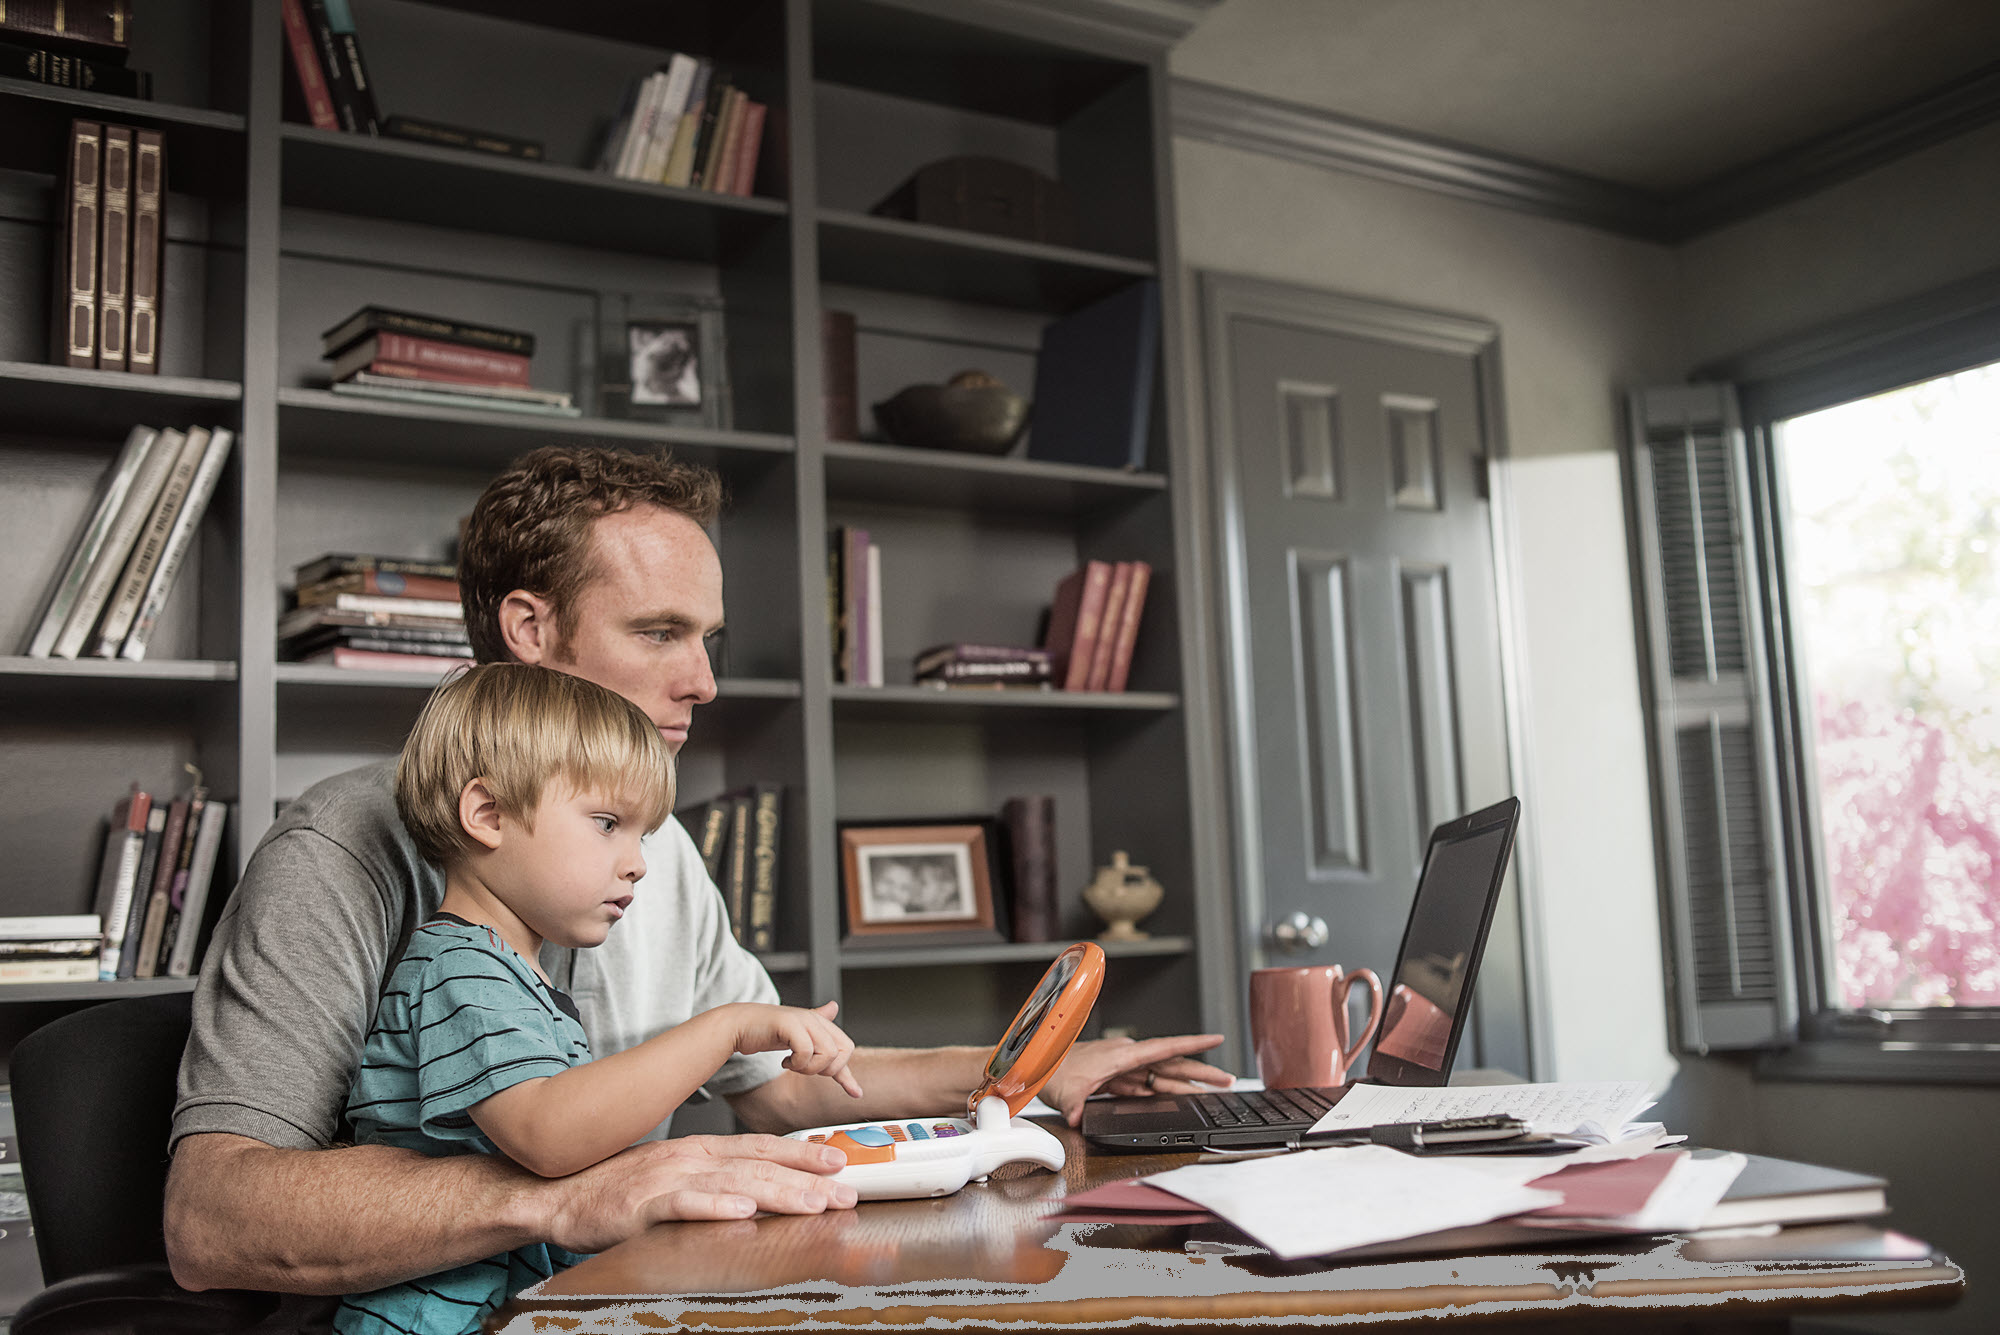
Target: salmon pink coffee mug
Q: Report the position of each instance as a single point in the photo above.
(1298, 1023)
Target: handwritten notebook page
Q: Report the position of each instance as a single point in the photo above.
(1600, 1109)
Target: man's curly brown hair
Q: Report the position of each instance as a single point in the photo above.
(530, 528)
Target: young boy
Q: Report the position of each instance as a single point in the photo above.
(532, 789)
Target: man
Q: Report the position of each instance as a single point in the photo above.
(596, 563)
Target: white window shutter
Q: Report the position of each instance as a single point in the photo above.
(1715, 776)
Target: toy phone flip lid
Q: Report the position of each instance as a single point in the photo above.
(1043, 1030)
(894, 1160)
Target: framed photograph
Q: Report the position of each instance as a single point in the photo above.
(660, 357)
(920, 884)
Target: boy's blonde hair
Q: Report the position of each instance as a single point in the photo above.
(518, 727)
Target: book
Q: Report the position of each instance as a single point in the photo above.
(380, 319)
(133, 512)
(681, 70)
(1073, 623)
(421, 607)
(839, 375)
(427, 355)
(632, 151)
(142, 886)
(1114, 610)
(941, 655)
(302, 622)
(613, 141)
(839, 616)
(90, 540)
(458, 136)
(728, 125)
(1094, 381)
(1028, 830)
(76, 947)
(680, 158)
(706, 131)
(150, 545)
(340, 17)
(744, 175)
(186, 522)
(194, 899)
(98, 27)
(371, 660)
(380, 642)
(149, 199)
(74, 305)
(144, 949)
(1128, 626)
(735, 893)
(306, 68)
(402, 377)
(114, 246)
(158, 938)
(712, 837)
(874, 615)
(355, 563)
(49, 971)
(340, 81)
(50, 926)
(1018, 671)
(363, 385)
(767, 821)
(377, 583)
(63, 69)
(119, 872)
(1781, 1191)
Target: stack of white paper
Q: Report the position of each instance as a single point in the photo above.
(1330, 1200)
(1600, 1111)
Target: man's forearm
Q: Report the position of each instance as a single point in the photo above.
(241, 1214)
(895, 1082)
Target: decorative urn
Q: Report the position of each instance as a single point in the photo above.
(1121, 894)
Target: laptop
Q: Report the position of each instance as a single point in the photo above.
(1429, 997)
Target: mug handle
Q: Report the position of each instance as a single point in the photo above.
(1374, 1010)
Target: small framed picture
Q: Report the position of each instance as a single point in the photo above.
(660, 357)
(919, 884)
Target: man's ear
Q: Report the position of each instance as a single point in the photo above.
(527, 627)
(479, 814)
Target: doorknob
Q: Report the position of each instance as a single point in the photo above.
(1299, 933)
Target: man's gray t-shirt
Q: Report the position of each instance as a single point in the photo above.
(325, 910)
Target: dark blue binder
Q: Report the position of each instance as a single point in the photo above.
(1094, 382)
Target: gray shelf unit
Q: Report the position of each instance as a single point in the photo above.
(300, 226)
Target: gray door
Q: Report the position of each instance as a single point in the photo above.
(1368, 701)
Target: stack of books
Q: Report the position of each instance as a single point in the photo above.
(125, 559)
(1094, 624)
(108, 247)
(681, 125)
(387, 354)
(153, 883)
(79, 44)
(989, 666)
(738, 834)
(854, 602)
(386, 613)
(51, 948)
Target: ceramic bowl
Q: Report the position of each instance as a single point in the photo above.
(974, 419)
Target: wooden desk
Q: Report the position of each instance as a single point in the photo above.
(988, 1258)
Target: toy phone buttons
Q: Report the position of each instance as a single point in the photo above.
(864, 1144)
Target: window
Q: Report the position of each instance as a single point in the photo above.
(1819, 593)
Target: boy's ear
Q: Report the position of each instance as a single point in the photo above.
(479, 814)
(527, 627)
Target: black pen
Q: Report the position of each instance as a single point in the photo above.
(1415, 1135)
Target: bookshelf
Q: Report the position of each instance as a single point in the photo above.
(277, 230)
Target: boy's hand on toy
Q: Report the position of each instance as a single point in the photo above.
(818, 1045)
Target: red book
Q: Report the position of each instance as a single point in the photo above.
(1073, 623)
(433, 359)
(747, 144)
(305, 63)
(1114, 609)
(1128, 627)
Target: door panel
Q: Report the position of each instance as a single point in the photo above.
(1371, 686)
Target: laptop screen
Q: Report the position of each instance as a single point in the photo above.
(1442, 942)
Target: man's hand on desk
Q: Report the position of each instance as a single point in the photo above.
(694, 1177)
(1131, 1067)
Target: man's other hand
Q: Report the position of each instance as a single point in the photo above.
(694, 1177)
(1132, 1066)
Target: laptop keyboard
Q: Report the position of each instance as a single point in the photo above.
(1270, 1107)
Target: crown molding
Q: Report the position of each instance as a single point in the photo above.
(1328, 139)
(1145, 28)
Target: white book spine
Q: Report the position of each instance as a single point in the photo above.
(63, 594)
(110, 562)
(874, 615)
(50, 927)
(185, 524)
(152, 542)
(633, 150)
(132, 846)
(48, 971)
(680, 76)
(194, 900)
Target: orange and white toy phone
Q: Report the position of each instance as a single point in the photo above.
(935, 1156)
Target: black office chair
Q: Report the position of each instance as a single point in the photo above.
(93, 1102)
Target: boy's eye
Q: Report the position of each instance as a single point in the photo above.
(606, 822)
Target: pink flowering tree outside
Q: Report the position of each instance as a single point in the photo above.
(1893, 544)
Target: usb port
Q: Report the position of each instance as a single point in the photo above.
(1183, 1140)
